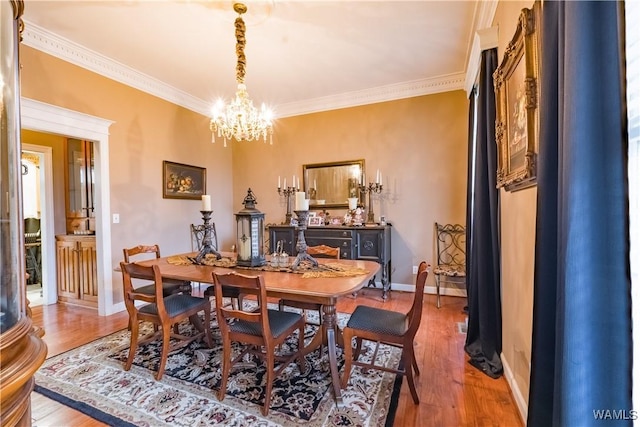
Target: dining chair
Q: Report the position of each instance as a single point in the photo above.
(163, 311)
(262, 330)
(169, 286)
(320, 251)
(451, 259)
(386, 327)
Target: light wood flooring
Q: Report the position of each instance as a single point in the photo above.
(452, 392)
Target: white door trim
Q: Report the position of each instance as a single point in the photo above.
(42, 117)
(49, 288)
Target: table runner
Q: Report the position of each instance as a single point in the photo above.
(330, 269)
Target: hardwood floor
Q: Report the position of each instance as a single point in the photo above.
(452, 392)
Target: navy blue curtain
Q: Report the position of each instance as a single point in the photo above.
(581, 348)
(484, 333)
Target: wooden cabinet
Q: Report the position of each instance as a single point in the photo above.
(367, 243)
(77, 276)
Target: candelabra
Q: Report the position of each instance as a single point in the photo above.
(287, 192)
(207, 247)
(301, 245)
(371, 188)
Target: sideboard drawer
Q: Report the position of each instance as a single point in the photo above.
(345, 245)
(328, 233)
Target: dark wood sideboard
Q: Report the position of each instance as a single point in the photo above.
(372, 243)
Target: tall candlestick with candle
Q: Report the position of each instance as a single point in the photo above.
(372, 188)
(287, 192)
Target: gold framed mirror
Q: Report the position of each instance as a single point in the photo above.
(329, 185)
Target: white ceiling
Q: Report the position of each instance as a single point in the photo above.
(302, 56)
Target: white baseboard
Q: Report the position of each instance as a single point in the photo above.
(517, 395)
(428, 289)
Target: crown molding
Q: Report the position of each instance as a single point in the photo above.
(373, 95)
(38, 38)
(52, 44)
(485, 37)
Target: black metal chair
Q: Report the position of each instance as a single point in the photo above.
(197, 238)
(386, 327)
(451, 258)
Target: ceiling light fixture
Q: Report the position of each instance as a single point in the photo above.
(240, 119)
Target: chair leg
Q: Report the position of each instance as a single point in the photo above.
(270, 361)
(348, 356)
(437, 291)
(302, 364)
(207, 326)
(409, 357)
(226, 367)
(133, 345)
(166, 337)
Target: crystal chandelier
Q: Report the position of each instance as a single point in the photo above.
(240, 119)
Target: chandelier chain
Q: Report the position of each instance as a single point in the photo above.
(241, 42)
(239, 119)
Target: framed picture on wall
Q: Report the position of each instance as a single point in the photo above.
(182, 181)
(517, 89)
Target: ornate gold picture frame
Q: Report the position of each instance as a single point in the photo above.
(517, 87)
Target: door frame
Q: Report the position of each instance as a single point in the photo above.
(47, 235)
(41, 117)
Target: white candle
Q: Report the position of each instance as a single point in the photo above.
(293, 183)
(378, 176)
(206, 202)
(298, 183)
(305, 204)
(315, 185)
(353, 203)
(285, 183)
(300, 198)
(278, 181)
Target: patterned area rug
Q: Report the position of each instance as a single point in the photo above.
(91, 378)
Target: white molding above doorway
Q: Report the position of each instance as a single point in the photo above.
(42, 117)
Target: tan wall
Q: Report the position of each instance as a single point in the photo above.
(518, 225)
(419, 144)
(147, 130)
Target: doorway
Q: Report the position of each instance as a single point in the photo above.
(37, 187)
(42, 117)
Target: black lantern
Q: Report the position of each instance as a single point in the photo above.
(250, 232)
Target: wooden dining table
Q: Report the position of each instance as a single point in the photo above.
(292, 286)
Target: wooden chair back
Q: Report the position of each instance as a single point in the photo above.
(324, 251)
(141, 249)
(415, 313)
(245, 285)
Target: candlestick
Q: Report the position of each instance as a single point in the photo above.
(207, 243)
(301, 245)
(371, 188)
(206, 202)
(286, 192)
